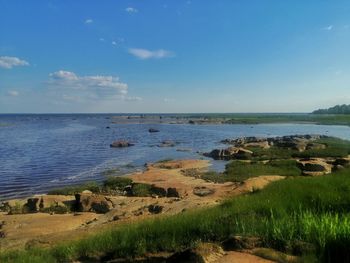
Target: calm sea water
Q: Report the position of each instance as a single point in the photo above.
(41, 152)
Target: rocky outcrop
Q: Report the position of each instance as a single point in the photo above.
(314, 166)
(295, 142)
(230, 153)
(92, 203)
(121, 144)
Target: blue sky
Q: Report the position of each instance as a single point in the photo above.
(173, 56)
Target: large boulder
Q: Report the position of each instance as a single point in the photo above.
(92, 203)
(121, 144)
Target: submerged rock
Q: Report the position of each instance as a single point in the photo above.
(151, 130)
(121, 144)
(167, 143)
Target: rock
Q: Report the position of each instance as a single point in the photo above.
(202, 253)
(240, 242)
(315, 146)
(167, 143)
(342, 161)
(86, 192)
(230, 153)
(151, 130)
(262, 144)
(31, 206)
(4, 207)
(202, 191)
(92, 203)
(314, 166)
(121, 144)
(172, 192)
(159, 191)
(155, 209)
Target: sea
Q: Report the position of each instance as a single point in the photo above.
(39, 152)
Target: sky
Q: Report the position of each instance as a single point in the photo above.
(173, 56)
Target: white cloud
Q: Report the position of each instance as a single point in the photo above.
(114, 43)
(328, 28)
(147, 54)
(83, 88)
(89, 21)
(13, 93)
(10, 62)
(131, 10)
(102, 39)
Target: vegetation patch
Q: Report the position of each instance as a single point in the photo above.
(238, 171)
(71, 190)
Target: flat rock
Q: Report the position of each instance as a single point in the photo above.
(314, 166)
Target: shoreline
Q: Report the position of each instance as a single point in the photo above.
(45, 229)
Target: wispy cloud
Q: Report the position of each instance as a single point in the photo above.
(13, 93)
(10, 62)
(148, 54)
(133, 99)
(131, 9)
(89, 21)
(82, 88)
(328, 28)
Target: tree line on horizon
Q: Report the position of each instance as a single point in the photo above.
(338, 109)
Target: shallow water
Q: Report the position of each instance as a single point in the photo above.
(41, 152)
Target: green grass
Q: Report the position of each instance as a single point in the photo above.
(286, 213)
(116, 183)
(238, 171)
